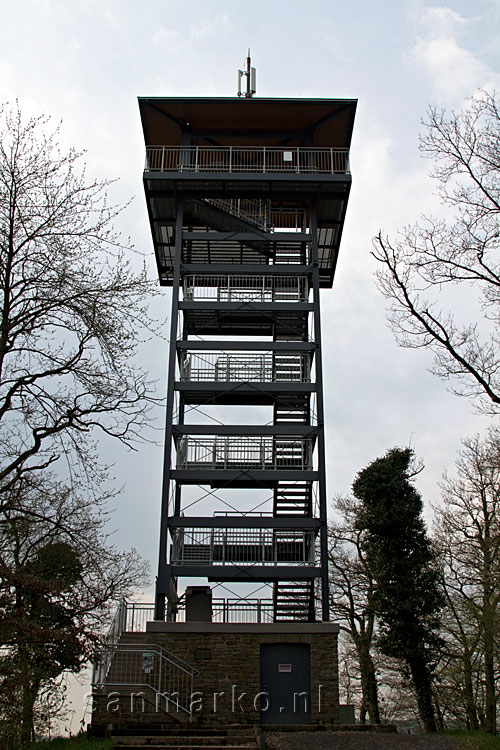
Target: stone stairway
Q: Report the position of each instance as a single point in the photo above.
(126, 697)
(232, 737)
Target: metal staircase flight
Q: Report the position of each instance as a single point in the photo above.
(293, 499)
(293, 601)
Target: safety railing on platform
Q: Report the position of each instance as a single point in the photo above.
(233, 453)
(235, 159)
(198, 546)
(251, 288)
(224, 609)
(283, 367)
(288, 219)
(236, 610)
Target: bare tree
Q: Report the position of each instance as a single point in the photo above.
(71, 308)
(468, 536)
(460, 670)
(442, 277)
(351, 590)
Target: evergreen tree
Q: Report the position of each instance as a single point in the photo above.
(41, 632)
(406, 596)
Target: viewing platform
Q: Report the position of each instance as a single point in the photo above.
(236, 453)
(247, 160)
(212, 546)
(293, 367)
(245, 288)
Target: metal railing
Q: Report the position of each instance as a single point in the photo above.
(130, 667)
(252, 210)
(243, 368)
(198, 546)
(236, 610)
(237, 159)
(255, 288)
(126, 665)
(239, 609)
(261, 214)
(130, 617)
(288, 219)
(230, 453)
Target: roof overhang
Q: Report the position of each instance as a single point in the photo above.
(254, 121)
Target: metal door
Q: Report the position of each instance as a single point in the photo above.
(285, 679)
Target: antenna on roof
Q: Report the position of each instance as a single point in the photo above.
(251, 75)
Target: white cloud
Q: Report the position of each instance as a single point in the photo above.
(166, 36)
(196, 33)
(454, 71)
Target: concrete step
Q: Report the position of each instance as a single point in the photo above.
(127, 739)
(190, 746)
(165, 741)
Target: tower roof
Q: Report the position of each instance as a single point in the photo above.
(254, 121)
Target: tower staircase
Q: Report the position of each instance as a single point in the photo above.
(292, 410)
(292, 499)
(293, 601)
(222, 215)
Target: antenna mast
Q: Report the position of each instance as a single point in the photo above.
(251, 76)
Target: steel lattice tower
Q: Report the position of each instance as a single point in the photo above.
(246, 200)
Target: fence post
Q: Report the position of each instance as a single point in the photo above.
(160, 656)
(122, 620)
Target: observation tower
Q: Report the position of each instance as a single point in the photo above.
(246, 200)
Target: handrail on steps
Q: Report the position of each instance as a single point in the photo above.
(128, 665)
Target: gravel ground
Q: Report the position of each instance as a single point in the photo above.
(362, 741)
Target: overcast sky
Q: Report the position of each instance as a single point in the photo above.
(86, 62)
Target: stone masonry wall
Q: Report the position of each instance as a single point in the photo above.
(228, 685)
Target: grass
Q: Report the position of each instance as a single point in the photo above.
(475, 740)
(81, 742)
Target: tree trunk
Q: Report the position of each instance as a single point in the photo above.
(470, 705)
(368, 683)
(439, 714)
(29, 695)
(423, 688)
(489, 679)
(489, 616)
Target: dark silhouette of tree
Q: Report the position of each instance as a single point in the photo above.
(351, 592)
(60, 578)
(406, 597)
(41, 631)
